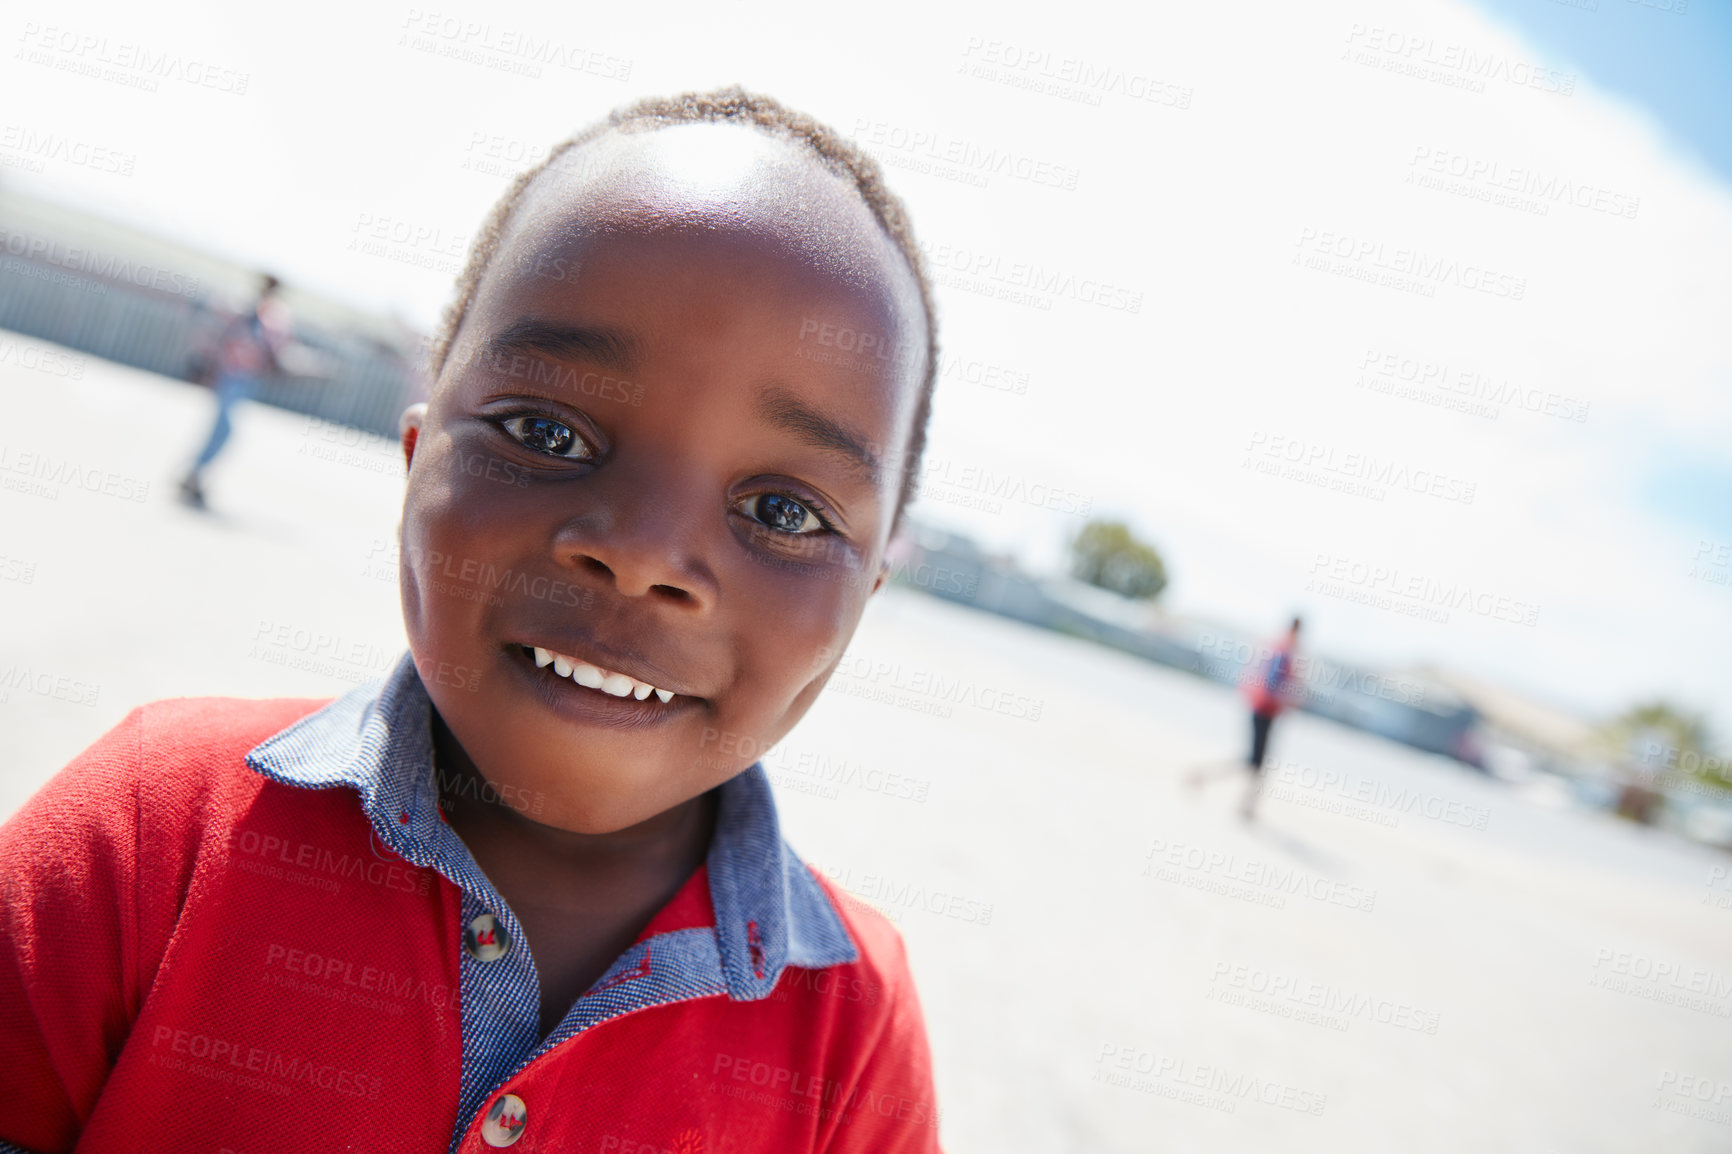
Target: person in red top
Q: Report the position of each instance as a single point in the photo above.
(529, 891)
(1268, 688)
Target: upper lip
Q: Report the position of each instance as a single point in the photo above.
(607, 657)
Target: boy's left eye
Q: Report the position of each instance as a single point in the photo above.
(546, 435)
(781, 513)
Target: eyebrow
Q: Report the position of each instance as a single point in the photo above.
(607, 348)
(780, 407)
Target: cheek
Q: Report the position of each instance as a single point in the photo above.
(455, 528)
(793, 632)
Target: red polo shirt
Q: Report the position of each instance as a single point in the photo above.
(224, 934)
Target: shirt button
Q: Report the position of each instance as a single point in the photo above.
(505, 1120)
(485, 939)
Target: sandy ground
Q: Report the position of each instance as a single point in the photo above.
(1402, 955)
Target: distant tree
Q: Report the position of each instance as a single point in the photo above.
(1108, 554)
(1664, 740)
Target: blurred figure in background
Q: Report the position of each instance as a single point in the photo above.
(246, 349)
(1269, 688)
(1268, 694)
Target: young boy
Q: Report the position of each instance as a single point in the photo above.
(529, 892)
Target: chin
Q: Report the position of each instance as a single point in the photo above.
(594, 804)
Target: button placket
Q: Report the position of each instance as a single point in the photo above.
(500, 1000)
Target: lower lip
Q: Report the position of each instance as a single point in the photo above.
(591, 706)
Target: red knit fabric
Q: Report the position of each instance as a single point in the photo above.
(195, 958)
(1270, 702)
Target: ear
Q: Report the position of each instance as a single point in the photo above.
(883, 575)
(409, 425)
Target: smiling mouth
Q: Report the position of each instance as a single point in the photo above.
(592, 676)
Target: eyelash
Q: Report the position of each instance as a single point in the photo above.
(578, 437)
(820, 514)
(816, 508)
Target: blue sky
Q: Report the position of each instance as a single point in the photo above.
(1673, 58)
(1695, 491)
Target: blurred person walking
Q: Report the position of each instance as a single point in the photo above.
(1268, 693)
(1269, 690)
(247, 348)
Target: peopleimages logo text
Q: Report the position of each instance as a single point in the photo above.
(1370, 254)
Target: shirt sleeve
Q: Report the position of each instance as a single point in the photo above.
(67, 1001)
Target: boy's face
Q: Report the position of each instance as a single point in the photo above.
(667, 444)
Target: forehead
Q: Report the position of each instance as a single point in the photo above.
(729, 191)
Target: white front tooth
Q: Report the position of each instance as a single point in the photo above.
(617, 684)
(640, 690)
(588, 675)
(666, 695)
(561, 666)
(543, 658)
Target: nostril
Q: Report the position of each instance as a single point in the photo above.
(631, 578)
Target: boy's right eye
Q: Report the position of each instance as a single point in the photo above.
(547, 435)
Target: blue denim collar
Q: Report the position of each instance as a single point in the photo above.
(770, 911)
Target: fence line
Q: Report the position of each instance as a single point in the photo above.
(161, 332)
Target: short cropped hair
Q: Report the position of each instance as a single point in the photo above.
(730, 105)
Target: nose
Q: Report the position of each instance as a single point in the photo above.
(641, 542)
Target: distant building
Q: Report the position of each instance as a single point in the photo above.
(1529, 736)
(114, 292)
(1413, 708)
